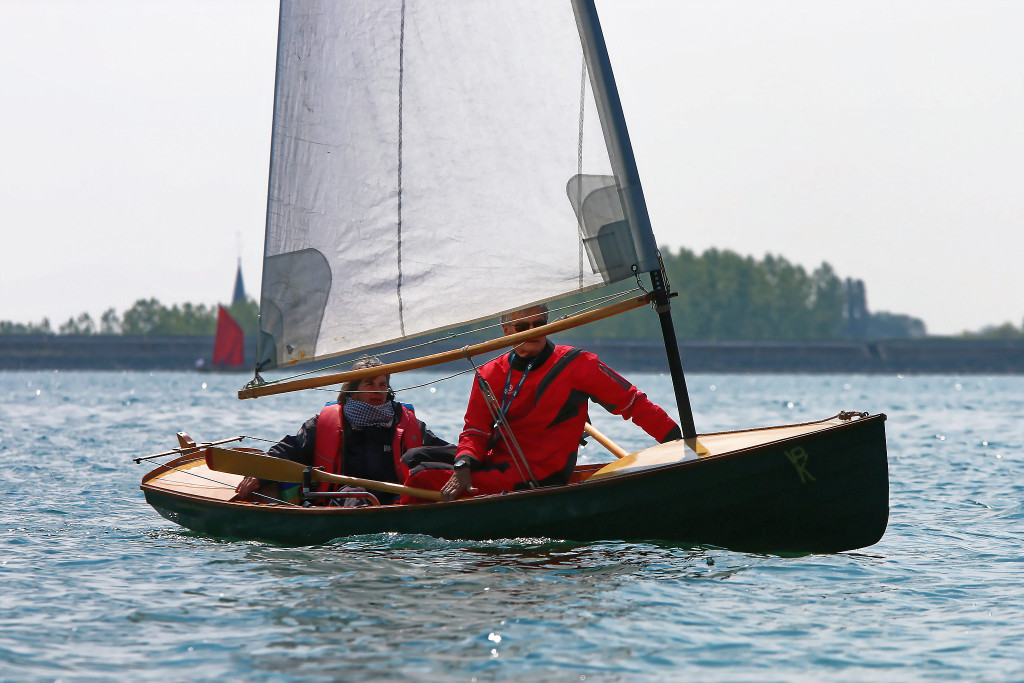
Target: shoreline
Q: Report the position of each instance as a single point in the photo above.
(922, 356)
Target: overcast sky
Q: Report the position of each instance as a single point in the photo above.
(886, 138)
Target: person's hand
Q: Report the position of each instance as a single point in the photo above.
(461, 480)
(245, 489)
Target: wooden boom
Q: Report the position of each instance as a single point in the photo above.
(447, 356)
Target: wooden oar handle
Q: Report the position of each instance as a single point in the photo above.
(278, 469)
(427, 494)
(613, 447)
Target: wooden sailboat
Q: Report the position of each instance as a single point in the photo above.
(229, 343)
(423, 151)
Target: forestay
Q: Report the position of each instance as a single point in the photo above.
(428, 165)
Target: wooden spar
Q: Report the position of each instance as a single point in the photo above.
(447, 356)
(185, 449)
(617, 136)
(279, 469)
(613, 448)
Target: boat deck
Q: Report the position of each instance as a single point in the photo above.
(190, 475)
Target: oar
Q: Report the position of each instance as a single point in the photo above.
(615, 449)
(278, 469)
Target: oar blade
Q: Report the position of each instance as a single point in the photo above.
(253, 465)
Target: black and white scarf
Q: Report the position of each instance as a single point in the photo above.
(361, 415)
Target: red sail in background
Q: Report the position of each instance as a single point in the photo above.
(229, 345)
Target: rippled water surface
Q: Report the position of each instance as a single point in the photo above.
(97, 586)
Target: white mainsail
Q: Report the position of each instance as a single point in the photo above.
(432, 163)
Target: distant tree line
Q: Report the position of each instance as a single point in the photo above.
(722, 296)
(725, 296)
(147, 318)
(859, 323)
(1005, 332)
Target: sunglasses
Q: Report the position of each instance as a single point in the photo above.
(524, 325)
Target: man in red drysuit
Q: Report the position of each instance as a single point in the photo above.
(543, 390)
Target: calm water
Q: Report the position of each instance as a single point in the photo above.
(97, 586)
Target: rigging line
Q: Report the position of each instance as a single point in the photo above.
(579, 166)
(181, 451)
(639, 282)
(401, 80)
(257, 438)
(409, 388)
(498, 415)
(435, 381)
(593, 304)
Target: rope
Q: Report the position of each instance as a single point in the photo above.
(579, 165)
(503, 428)
(401, 114)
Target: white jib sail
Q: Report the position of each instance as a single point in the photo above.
(429, 163)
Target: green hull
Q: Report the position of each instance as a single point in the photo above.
(832, 495)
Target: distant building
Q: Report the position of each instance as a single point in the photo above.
(239, 296)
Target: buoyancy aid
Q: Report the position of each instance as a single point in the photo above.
(329, 448)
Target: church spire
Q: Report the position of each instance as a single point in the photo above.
(239, 287)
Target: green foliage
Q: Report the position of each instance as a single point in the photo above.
(110, 323)
(725, 296)
(884, 325)
(148, 318)
(7, 327)
(84, 325)
(1005, 332)
(80, 326)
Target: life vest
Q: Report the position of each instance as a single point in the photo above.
(329, 448)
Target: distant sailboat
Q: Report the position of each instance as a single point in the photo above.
(229, 344)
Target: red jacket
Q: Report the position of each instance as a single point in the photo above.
(548, 413)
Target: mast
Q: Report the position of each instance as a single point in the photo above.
(617, 137)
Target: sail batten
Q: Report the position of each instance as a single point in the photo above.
(432, 164)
